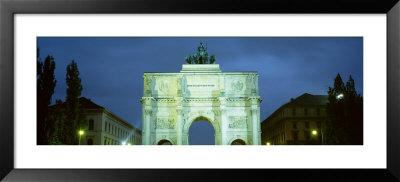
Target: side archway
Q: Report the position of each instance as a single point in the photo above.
(238, 142)
(164, 142)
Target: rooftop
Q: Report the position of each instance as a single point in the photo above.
(89, 104)
(304, 100)
(308, 99)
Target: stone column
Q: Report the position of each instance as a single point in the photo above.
(255, 123)
(224, 121)
(147, 137)
(179, 125)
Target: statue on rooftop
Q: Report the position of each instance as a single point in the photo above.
(201, 57)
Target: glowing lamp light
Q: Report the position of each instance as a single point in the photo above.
(314, 132)
(123, 143)
(81, 132)
(129, 143)
(268, 143)
(340, 96)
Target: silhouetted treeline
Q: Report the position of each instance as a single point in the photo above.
(60, 123)
(345, 111)
(46, 83)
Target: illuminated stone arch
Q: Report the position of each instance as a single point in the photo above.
(229, 101)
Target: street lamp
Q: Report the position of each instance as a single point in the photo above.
(80, 134)
(129, 143)
(268, 143)
(315, 132)
(340, 96)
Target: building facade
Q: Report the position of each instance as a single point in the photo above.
(297, 122)
(106, 128)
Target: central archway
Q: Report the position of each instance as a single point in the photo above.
(202, 116)
(201, 133)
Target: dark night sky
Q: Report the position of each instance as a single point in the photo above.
(111, 68)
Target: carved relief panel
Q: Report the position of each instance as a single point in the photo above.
(237, 122)
(165, 123)
(237, 85)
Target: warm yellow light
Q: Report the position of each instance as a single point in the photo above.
(314, 132)
(129, 143)
(268, 143)
(81, 132)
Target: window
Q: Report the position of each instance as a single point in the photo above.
(91, 124)
(307, 124)
(319, 124)
(105, 128)
(105, 140)
(305, 112)
(318, 111)
(294, 125)
(307, 135)
(295, 135)
(294, 112)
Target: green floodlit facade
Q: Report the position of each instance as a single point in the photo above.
(229, 101)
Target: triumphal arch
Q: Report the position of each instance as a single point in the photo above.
(229, 101)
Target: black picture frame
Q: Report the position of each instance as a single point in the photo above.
(8, 8)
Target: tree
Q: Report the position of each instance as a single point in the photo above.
(75, 119)
(345, 112)
(46, 83)
(58, 117)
